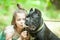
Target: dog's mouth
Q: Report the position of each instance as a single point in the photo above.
(32, 27)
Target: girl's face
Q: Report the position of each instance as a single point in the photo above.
(20, 20)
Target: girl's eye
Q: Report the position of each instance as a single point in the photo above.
(18, 19)
(23, 18)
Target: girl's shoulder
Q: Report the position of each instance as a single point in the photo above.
(9, 29)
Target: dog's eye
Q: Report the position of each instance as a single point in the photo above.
(28, 16)
(32, 17)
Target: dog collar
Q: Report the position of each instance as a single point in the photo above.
(32, 38)
(40, 28)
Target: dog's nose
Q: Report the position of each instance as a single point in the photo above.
(26, 23)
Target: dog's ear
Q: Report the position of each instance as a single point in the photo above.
(31, 9)
(37, 11)
(30, 12)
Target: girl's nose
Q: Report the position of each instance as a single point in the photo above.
(22, 21)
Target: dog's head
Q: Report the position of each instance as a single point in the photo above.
(33, 19)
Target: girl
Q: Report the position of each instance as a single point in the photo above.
(16, 30)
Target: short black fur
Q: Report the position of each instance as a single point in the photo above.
(35, 21)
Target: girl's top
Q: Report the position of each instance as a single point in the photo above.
(9, 30)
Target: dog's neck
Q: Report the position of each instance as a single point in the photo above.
(38, 29)
(41, 24)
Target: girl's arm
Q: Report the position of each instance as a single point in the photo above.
(9, 36)
(9, 31)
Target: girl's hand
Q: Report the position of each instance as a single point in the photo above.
(25, 35)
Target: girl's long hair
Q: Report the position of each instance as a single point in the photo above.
(20, 10)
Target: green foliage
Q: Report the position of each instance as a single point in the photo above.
(7, 7)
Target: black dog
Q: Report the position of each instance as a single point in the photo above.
(37, 28)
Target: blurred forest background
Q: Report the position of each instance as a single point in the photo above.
(50, 9)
